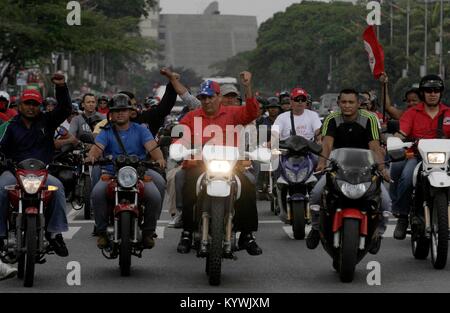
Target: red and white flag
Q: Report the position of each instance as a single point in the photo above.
(374, 51)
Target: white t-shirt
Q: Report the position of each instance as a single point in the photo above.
(305, 124)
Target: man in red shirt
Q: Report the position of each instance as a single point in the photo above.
(5, 112)
(214, 114)
(419, 122)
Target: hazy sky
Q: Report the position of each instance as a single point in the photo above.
(263, 9)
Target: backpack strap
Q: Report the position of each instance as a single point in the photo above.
(293, 132)
(119, 140)
(440, 129)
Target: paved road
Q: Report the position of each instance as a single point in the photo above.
(285, 266)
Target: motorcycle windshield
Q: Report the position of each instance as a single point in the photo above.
(355, 165)
(297, 162)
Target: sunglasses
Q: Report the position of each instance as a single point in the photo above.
(431, 90)
(299, 99)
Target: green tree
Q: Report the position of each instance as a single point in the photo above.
(32, 29)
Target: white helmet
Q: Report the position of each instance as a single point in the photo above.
(4, 94)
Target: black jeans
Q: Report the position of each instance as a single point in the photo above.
(246, 213)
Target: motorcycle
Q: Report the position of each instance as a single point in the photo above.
(68, 166)
(350, 214)
(125, 191)
(429, 216)
(295, 183)
(217, 190)
(29, 200)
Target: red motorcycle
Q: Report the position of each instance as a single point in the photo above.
(125, 192)
(29, 200)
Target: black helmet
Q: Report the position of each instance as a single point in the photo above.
(120, 102)
(431, 81)
(273, 102)
(284, 94)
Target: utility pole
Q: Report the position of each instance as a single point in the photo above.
(425, 56)
(392, 22)
(408, 12)
(441, 44)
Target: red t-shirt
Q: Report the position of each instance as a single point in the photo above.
(417, 124)
(227, 115)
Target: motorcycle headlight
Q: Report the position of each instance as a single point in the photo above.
(219, 167)
(302, 174)
(353, 191)
(299, 177)
(127, 177)
(436, 157)
(31, 183)
(291, 176)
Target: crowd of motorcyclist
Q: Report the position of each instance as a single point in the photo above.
(119, 125)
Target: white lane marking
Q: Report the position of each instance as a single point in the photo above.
(160, 232)
(270, 222)
(72, 214)
(72, 231)
(81, 222)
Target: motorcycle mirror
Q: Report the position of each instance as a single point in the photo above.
(87, 137)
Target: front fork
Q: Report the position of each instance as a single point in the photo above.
(229, 214)
(427, 213)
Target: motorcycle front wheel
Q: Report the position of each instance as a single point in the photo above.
(349, 249)
(439, 231)
(214, 260)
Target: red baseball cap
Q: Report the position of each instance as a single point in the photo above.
(298, 92)
(31, 94)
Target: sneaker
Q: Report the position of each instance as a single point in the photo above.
(7, 271)
(313, 239)
(57, 245)
(184, 246)
(247, 242)
(102, 240)
(176, 222)
(148, 239)
(400, 229)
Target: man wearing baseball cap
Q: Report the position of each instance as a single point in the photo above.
(306, 123)
(30, 135)
(214, 113)
(230, 95)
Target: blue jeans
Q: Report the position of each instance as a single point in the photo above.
(57, 222)
(401, 189)
(152, 203)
